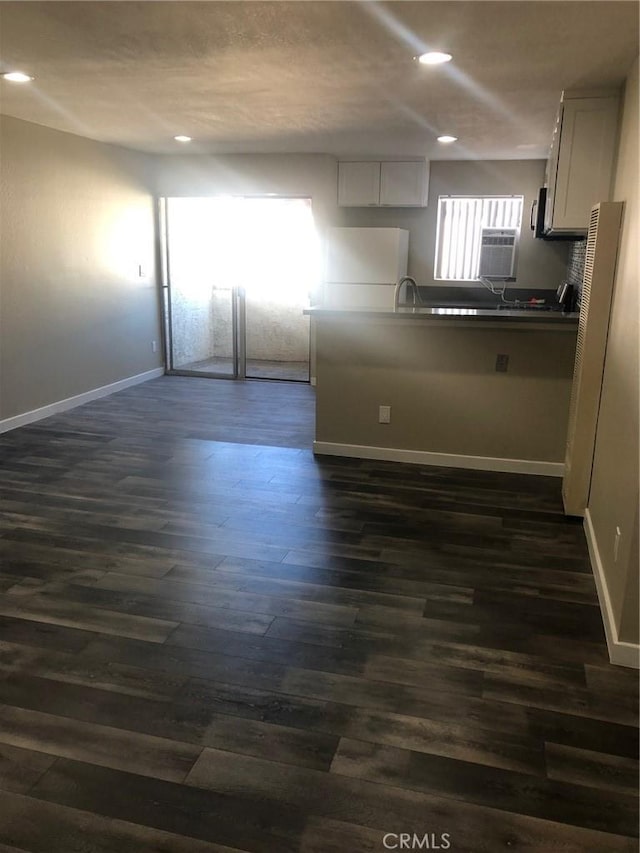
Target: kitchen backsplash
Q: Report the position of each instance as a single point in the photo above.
(480, 297)
(575, 271)
(575, 263)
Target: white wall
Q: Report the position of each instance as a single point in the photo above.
(439, 378)
(77, 220)
(312, 176)
(613, 500)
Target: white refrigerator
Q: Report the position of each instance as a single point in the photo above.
(363, 265)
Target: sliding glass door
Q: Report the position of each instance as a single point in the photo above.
(239, 273)
(200, 299)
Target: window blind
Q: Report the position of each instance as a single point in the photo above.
(460, 223)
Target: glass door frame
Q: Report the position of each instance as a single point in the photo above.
(238, 314)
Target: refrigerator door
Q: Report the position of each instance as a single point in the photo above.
(366, 255)
(340, 295)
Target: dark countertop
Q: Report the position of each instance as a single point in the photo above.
(435, 313)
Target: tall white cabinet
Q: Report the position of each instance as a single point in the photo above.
(580, 165)
(359, 184)
(593, 328)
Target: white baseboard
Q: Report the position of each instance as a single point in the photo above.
(448, 460)
(79, 399)
(620, 653)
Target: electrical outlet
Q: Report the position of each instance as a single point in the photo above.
(154, 346)
(384, 414)
(616, 544)
(502, 363)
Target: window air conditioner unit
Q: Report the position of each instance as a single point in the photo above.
(498, 252)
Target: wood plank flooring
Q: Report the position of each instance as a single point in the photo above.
(211, 642)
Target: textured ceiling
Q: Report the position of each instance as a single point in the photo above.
(334, 77)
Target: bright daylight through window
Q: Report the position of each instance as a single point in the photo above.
(459, 234)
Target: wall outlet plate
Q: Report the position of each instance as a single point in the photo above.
(502, 363)
(384, 414)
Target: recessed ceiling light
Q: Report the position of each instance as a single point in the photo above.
(434, 57)
(17, 77)
(182, 138)
(446, 139)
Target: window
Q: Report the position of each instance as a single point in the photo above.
(459, 234)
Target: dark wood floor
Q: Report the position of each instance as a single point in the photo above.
(212, 641)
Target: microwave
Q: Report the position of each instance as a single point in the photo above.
(537, 213)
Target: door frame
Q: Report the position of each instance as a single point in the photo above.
(238, 311)
(238, 324)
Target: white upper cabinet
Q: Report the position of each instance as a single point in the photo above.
(390, 183)
(359, 184)
(580, 166)
(403, 183)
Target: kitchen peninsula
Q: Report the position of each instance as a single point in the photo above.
(467, 388)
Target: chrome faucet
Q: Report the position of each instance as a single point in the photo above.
(405, 280)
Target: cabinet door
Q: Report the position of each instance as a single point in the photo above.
(359, 184)
(585, 160)
(403, 184)
(551, 171)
